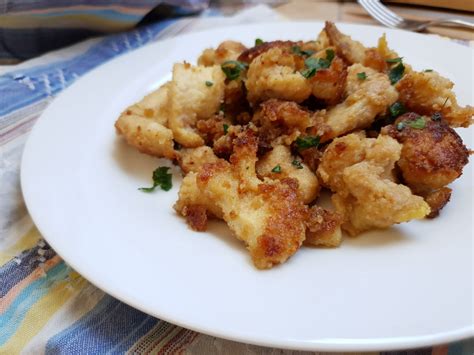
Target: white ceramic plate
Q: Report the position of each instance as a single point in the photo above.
(406, 287)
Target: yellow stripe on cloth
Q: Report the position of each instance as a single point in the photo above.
(42, 311)
(27, 241)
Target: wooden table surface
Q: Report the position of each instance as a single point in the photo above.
(350, 11)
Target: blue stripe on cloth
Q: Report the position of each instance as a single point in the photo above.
(25, 87)
(110, 326)
(26, 5)
(11, 319)
(20, 267)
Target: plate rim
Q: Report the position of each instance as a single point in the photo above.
(331, 344)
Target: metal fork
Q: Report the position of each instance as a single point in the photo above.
(390, 19)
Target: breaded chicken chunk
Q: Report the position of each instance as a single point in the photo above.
(428, 92)
(279, 164)
(280, 122)
(433, 154)
(192, 159)
(144, 124)
(268, 216)
(369, 201)
(359, 171)
(227, 50)
(353, 51)
(365, 100)
(192, 100)
(328, 84)
(274, 75)
(323, 227)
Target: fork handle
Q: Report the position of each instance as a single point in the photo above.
(453, 21)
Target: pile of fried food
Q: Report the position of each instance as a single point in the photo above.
(259, 131)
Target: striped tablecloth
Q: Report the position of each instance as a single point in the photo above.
(45, 306)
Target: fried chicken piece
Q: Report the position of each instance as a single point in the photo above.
(323, 227)
(274, 74)
(365, 100)
(432, 156)
(360, 172)
(353, 51)
(192, 159)
(143, 125)
(287, 166)
(355, 148)
(268, 216)
(437, 199)
(227, 50)
(369, 201)
(192, 100)
(428, 92)
(328, 84)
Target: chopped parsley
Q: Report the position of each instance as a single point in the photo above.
(330, 55)
(209, 83)
(298, 51)
(296, 163)
(362, 75)
(428, 70)
(307, 142)
(394, 60)
(161, 178)
(233, 68)
(418, 123)
(396, 109)
(396, 73)
(222, 107)
(277, 169)
(258, 42)
(226, 128)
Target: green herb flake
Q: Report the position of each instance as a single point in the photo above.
(361, 76)
(226, 128)
(330, 55)
(428, 70)
(307, 142)
(258, 42)
(161, 178)
(233, 68)
(296, 163)
(396, 109)
(298, 51)
(277, 169)
(418, 123)
(396, 73)
(222, 107)
(313, 65)
(394, 60)
(209, 83)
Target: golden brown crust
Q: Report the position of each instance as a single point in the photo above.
(268, 216)
(196, 217)
(427, 93)
(431, 157)
(250, 54)
(323, 227)
(227, 50)
(282, 236)
(280, 156)
(328, 84)
(437, 200)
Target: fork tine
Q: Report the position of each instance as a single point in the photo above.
(368, 7)
(389, 13)
(379, 15)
